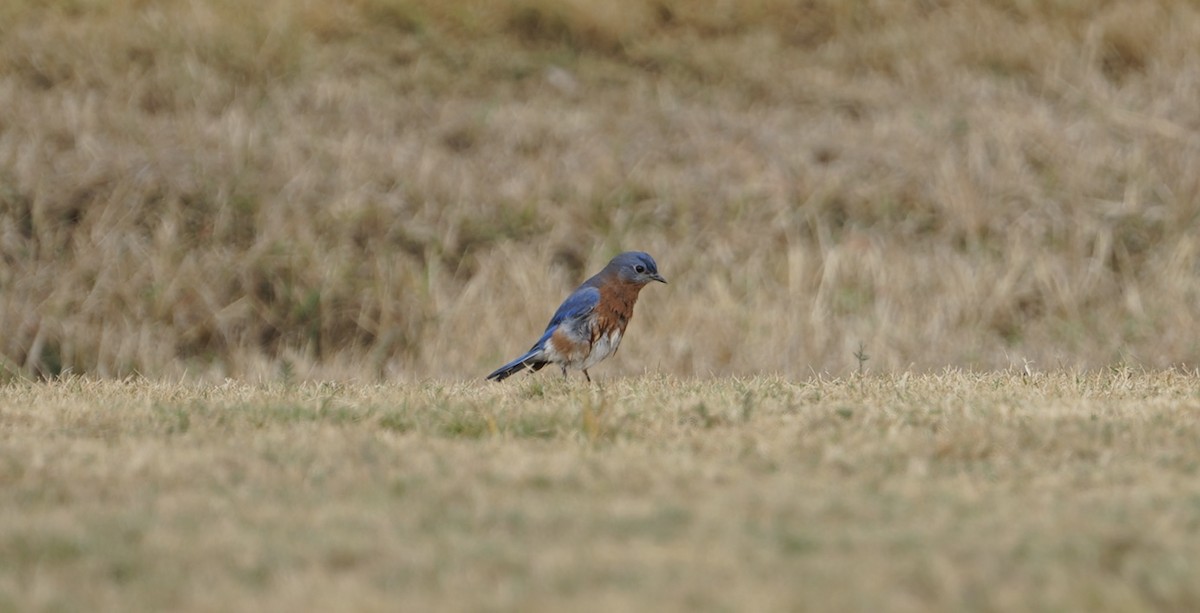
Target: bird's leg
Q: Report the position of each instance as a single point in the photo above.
(587, 376)
(564, 369)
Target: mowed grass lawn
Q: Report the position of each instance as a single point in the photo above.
(953, 491)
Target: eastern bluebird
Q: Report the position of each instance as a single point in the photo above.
(588, 326)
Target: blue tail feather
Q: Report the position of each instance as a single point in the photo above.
(515, 367)
(531, 360)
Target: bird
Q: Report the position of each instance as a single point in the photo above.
(589, 324)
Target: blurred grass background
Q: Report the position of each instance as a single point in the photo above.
(407, 188)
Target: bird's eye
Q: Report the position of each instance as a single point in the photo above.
(639, 269)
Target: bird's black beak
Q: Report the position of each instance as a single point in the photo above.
(658, 277)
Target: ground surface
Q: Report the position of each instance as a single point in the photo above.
(944, 492)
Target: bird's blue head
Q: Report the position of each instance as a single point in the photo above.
(636, 267)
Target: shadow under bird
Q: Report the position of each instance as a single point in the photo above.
(589, 324)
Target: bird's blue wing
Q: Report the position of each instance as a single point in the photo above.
(573, 312)
(577, 306)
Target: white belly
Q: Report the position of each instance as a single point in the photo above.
(602, 348)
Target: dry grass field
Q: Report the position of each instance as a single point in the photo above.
(398, 189)
(941, 492)
(256, 257)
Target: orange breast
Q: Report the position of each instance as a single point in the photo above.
(615, 308)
